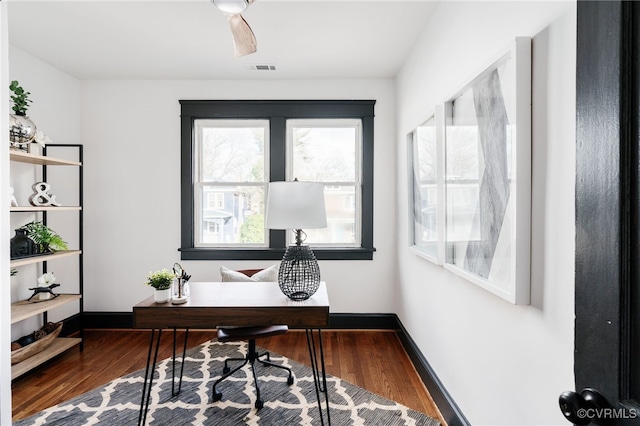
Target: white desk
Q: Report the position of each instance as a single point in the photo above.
(215, 304)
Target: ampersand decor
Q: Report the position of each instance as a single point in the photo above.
(41, 196)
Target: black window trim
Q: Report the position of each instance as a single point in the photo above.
(277, 111)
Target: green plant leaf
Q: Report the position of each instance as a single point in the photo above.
(160, 280)
(44, 237)
(20, 98)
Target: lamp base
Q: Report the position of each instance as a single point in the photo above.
(299, 273)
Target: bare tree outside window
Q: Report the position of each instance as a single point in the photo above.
(328, 151)
(232, 170)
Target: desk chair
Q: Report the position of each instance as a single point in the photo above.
(249, 334)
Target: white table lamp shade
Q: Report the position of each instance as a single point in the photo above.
(295, 205)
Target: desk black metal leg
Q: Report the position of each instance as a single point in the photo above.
(184, 351)
(319, 373)
(148, 375)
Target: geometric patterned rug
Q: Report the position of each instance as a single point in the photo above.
(118, 402)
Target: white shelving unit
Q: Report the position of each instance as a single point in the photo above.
(24, 309)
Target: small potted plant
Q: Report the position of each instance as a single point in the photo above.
(161, 281)
(20, 98)
(22, 130)
(35, 238)
(45, 238)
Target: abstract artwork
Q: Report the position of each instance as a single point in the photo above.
(488, 176)
(425, 152)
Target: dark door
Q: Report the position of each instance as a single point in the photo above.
(607, 353)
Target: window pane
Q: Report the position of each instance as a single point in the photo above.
(341, 218)
(235, 217)
(232, 150)
(325, 152)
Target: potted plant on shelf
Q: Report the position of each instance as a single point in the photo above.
(22, 130)
(45, 238)
(161, 281)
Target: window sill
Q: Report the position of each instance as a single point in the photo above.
(350, 253)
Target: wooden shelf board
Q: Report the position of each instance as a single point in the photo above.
(25, 157)
(58, 346)
(43, 209)
(44, 258)
(23, 309)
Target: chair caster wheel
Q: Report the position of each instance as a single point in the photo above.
(259, 404)
(290, 380)
(217, 396)
(225, 370)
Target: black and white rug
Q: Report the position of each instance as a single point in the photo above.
(118, 402)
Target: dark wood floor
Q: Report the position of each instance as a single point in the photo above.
(374, 360)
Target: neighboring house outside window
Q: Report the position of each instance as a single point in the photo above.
(215, 200)
(231, 150)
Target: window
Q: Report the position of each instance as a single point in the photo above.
(231, 150)
(230, 177)
(328, 151)
(213, 227)
(215, 200)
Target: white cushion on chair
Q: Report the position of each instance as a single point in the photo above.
(269, 274)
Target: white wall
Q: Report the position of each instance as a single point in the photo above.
(502, 364)
(131, 132)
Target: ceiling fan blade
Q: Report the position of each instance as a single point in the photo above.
(244, 41)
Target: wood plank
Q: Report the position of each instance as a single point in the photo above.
(58, 346)
(107, 355)
(25, 157)
(44, 258)
(24, 309)
(385, 369)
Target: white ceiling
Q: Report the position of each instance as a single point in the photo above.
(190, 39)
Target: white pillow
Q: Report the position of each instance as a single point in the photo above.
(269, 274)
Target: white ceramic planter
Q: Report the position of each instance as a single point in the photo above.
(162, 296)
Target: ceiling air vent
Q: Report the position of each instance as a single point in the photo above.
(261, 67)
